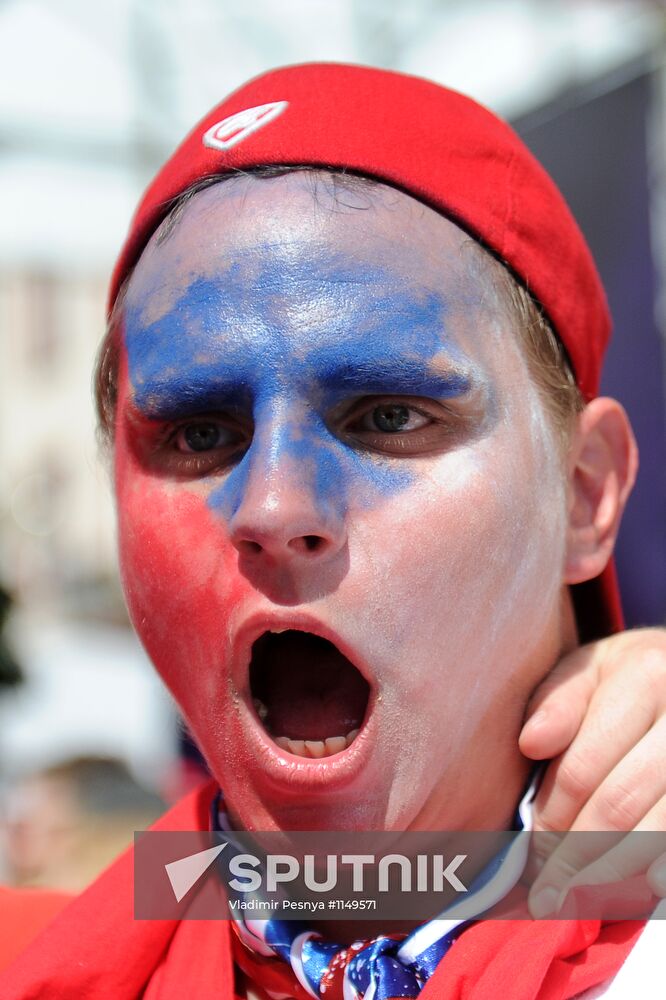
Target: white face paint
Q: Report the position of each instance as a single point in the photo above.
(359, 384)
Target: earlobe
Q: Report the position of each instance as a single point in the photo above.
(602, 470)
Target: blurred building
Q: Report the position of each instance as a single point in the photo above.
(92, 98)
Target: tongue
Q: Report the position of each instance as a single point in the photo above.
(310, 689)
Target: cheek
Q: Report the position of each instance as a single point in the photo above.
(180, 578)
(460, 561)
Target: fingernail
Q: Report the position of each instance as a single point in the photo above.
(544, 902)
(657, 877)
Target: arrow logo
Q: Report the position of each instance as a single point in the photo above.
(225, 134)
(186, 871)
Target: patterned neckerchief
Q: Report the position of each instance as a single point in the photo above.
(387, 966)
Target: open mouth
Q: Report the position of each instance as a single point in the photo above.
(310, 698)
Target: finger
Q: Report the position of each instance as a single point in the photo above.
(631, 798)
(573, 855)
(609, 733)
(619, 878)
(628, 794)
(656, 876)
(558, 706)
(585, 858)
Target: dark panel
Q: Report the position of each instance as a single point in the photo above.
(596, 150)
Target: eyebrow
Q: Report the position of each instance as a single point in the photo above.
(168, 398)
(407, 376)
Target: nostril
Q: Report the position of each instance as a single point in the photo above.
(250, 548)
(307, 543)
(304, 545)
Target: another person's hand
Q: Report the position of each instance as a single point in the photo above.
(600, 716)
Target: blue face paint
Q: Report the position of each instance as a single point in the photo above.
(285, 342)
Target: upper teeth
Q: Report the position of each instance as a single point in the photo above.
(260, 708)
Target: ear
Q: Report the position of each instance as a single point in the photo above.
(602, 470)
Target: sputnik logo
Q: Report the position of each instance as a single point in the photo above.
(186, 871)
(235, 128)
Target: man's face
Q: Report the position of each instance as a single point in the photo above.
(341, 506)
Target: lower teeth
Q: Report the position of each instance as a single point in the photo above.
(308, 748)
(316, 748)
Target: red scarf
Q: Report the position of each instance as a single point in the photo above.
(95, 950)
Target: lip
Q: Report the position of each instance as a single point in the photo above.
(299, 774)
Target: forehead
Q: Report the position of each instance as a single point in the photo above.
(297, 229)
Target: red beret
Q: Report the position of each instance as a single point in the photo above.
(433, 143)
(438, 146)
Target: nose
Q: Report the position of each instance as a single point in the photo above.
(285, 513)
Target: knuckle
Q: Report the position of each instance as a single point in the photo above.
(544, 843)
(619, 807)
(573, 777)
(547, 824)
(651, 662)
(562, 867)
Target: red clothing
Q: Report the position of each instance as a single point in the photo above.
(95, 950)
(23, 914)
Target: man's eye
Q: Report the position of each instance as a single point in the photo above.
(392, 418)
(205, 435)
(400, 425)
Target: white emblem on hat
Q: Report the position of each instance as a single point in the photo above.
(235, 128)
